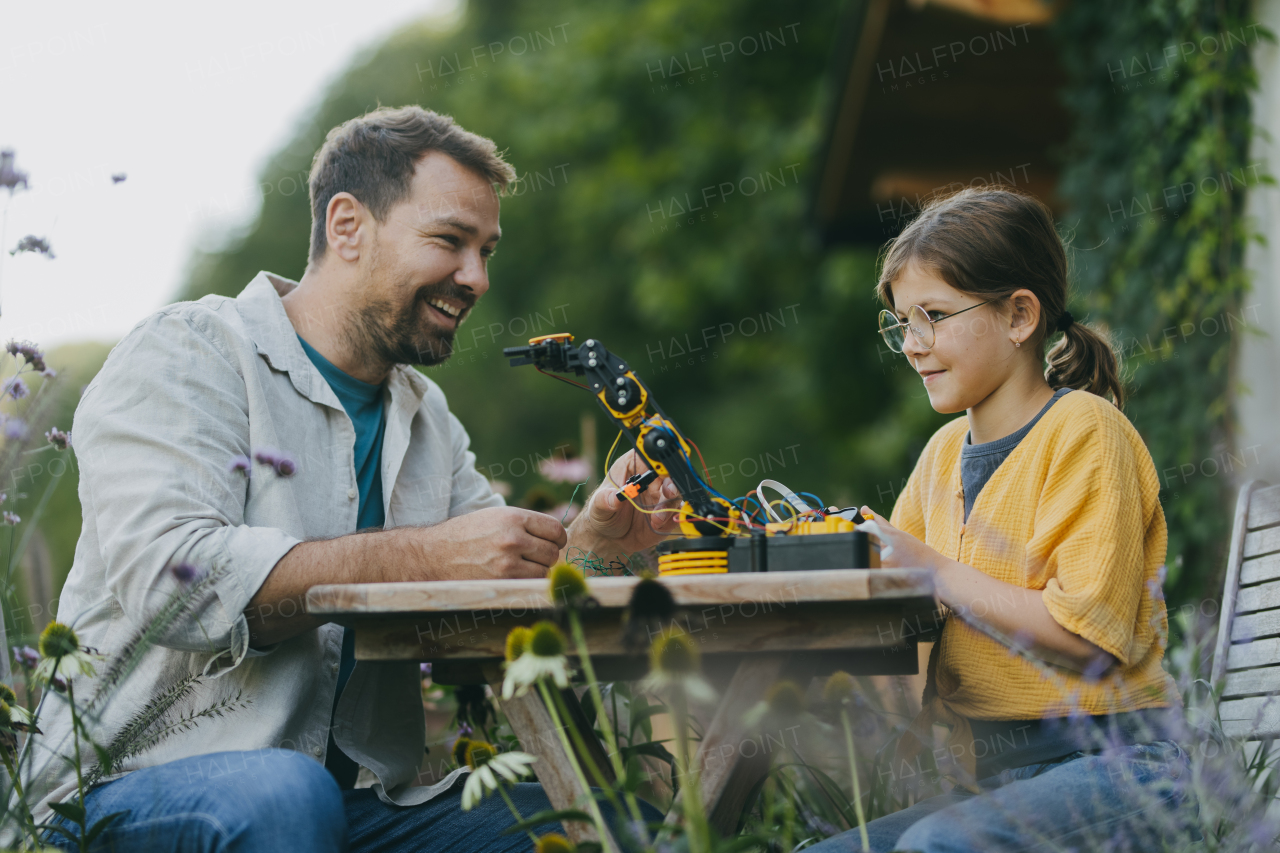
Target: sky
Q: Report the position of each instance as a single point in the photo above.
(189, 105)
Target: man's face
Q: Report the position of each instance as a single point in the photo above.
(427, 266)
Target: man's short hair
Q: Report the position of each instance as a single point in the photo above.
(373, 158)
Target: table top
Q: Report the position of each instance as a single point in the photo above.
(516, 596)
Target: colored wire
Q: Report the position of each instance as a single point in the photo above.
(816, 499)
(607, 456)
(561, 378)
(703, 461)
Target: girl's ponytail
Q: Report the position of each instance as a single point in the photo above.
(1084, 359)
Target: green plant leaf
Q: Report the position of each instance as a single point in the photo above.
(73, 812)
(100, 825)
(536, 820)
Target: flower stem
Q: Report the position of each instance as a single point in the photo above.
(27, 820)
(515, 811)
(75, 740)
(578, 740)
(690, 785)
(853, 773)
(593, 808)
(606, 725)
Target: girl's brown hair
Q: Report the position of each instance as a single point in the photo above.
(990, 242)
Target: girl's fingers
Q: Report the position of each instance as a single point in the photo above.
(866, 510)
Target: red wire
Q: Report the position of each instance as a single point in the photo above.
(705, 472)
(561, 378)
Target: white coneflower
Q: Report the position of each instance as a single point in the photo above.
(783, 703)
(61, 654)
(17, 713)
(673, 662)
(542, 656)
(487, 764)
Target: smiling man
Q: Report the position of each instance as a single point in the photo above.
(363, 475)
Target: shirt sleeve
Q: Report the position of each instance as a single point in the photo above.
(155, 433)
(1091, 531)
(471, 489)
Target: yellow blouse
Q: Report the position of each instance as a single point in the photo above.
(1072, 511)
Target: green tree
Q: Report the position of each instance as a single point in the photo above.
(667, 153)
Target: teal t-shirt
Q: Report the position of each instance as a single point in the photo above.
(363, 403)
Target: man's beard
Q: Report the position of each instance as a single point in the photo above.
(404, 336)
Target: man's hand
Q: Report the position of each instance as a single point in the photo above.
(498, 542)
(612, 528)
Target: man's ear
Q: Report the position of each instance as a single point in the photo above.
(1024, 308)
(346, 225)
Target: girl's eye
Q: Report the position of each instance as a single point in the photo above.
(935, 316)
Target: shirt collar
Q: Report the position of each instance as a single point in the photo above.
(276, 339)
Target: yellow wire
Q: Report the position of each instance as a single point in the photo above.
(609, 475)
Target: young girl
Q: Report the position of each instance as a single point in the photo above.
(1038, 512)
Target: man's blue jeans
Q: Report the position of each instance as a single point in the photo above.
(1125, 800)
(276, 800)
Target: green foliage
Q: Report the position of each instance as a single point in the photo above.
(757, 343)
(1156, 176)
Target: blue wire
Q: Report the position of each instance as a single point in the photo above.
(816, 499)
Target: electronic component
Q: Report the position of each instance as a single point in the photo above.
(719, 534)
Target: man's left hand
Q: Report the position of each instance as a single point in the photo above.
(612, 527)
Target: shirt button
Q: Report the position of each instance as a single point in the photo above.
(334, 667)
(317, 751)
(351, 494)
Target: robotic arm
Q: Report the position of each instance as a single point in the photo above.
(705, 512)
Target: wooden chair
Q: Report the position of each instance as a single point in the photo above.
(1247, 652)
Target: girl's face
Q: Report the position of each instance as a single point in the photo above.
(972, 354)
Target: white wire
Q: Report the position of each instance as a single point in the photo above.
(790, 496)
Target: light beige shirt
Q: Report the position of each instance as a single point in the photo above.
(188, 389)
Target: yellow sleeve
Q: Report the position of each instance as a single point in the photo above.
(1091, 534)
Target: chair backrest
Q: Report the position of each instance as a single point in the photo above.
(1247, 653)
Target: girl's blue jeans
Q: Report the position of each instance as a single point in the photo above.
(1125, 800)
(276, 800)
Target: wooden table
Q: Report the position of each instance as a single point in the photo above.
(754, 628)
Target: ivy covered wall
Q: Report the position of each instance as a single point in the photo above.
(1156, 175)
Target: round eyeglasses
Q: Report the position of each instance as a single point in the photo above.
(920, 324)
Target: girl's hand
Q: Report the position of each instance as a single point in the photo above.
(899, 550)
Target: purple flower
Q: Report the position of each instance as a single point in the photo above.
(29, 352)
(32, 243)
(241, 463)
(10, 175)
(58, 438)
(185, 572)
(15, 388)
(425, 668)
(118, 177)
(282, 462)
(11, 519)
(565, 470)
(15, 428)
(465, 730)
(26, 657)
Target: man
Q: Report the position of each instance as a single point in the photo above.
(312, 379)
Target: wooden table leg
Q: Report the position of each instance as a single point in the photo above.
(538, 736)
(727, 774)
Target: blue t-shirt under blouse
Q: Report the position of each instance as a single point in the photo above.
(363, 403)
